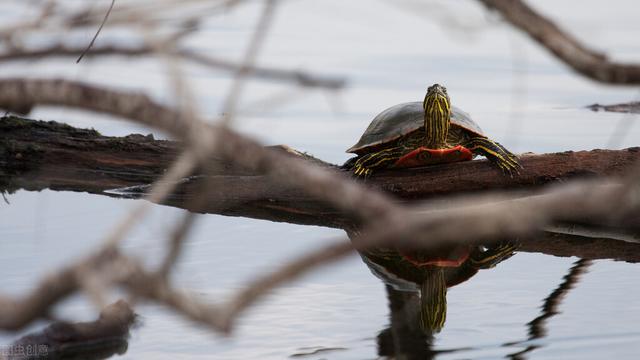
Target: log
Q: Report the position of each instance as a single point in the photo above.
(37, 155)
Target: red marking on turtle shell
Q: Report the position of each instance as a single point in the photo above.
(456, 258)
(423, 156)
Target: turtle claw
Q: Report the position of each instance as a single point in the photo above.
(365, 173)
(361, 171)
(510, 167)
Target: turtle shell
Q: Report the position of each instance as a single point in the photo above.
(402, 119)
(403, 275)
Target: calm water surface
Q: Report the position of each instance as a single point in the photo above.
(390, 52)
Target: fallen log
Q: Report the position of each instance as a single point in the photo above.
(37, 155)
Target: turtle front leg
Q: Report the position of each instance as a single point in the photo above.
(493, 255)
(366, 164)
(496, 153)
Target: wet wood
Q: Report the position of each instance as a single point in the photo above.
(36, 155)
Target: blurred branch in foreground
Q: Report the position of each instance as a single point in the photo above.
(383, 220)
(99, 339)
(295, 76)
(590, 63)
(149, 32)
(608, 197)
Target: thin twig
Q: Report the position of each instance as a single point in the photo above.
(106, 16)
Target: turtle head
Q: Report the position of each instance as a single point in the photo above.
(433, 300)
(437, 114)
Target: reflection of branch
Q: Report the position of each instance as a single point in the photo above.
(537, 326)
(586, 61)
(553, 301)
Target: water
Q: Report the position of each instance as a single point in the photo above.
(389, 52)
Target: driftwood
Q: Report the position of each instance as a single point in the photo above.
(37, 155)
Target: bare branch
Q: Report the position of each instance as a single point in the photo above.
(161, 188)
(106, 336)
(176, 244)
(565, 47)
(17, 313)
(106, 16)
(297, 77)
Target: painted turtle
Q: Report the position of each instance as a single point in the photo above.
(417, 134)
(431, 273)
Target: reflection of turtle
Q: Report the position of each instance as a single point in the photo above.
(432, 273)
(416, 134)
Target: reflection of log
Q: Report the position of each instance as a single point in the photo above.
(585, 248)
(99, 339)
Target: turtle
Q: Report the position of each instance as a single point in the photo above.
(417, 133)
(431, 272)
